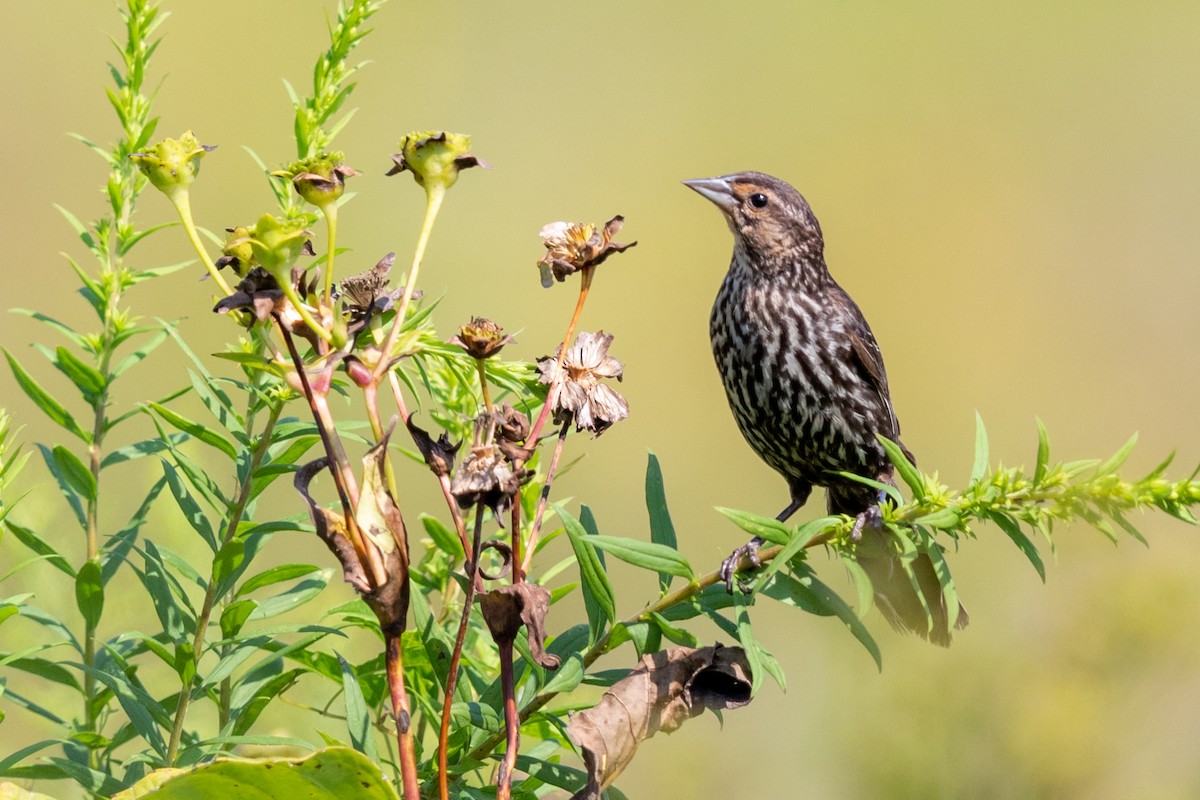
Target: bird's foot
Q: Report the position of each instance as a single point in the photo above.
(872, 518)
(729, 567)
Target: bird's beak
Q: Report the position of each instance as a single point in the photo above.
(718, 190)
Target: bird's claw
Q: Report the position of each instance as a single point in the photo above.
(729, 567)
(872, 518)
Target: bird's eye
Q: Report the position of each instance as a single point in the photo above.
(758, 200)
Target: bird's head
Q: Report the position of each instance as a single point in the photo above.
(769, 218)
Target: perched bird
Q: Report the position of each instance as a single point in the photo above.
(806, 383)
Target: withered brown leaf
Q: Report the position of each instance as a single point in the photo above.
(667, 689)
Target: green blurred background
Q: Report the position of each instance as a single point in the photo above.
(1011, 193)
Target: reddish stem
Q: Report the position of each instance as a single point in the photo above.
(512, 722)
(404, 736)
(536, 530)
(472, 566)
(585, 283)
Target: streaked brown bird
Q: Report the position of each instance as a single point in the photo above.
(806, 383)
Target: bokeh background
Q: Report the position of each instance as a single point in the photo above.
(1011, 192)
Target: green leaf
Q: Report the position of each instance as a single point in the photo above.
(235, 616)
(746, 638)
(567, 677)
(767, 528)
(674, 633)
(904, 468)
(192, 512)
(662, 530)
(279, 574)
(74, 473)
(862, 585)
(43, 400)
(1043, 454)
(37, 544)
(949, 591)
(800, 539)
(195, 430)
(647, 555)
(1013, 530)
(87, 379)
(139, 355)
(980, 467)
(443, 538)
(335, 773)
(358, 716)
(837, 606)
(598, 593)
(89, 592)
(944, 518)
(1113, 464)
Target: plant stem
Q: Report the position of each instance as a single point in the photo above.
(289, 291)
(512, 722)
(236, 512)
(330, 212)
(536, 530)
(433, 202)
(483, 385)
(183, 207)
(472, 568)
(404, 737)
(585, 283)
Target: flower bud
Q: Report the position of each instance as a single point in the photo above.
(276, 243)
(320, 180)
(434, 157)
(172, 164)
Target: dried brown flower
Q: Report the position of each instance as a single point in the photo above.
(481, 338)
(584, 398)
(571, 246)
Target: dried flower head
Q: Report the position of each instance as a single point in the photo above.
(172, 164)
(481, 338)
(583, 397)
(571, 246)
(258, 292)
(439, 453)
(434, 157)
(366, 293)
(320, 180)
(485, 475)
(512, 429)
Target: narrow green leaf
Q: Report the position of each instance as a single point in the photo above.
(862, 585)
(749, 644)
(949, 590)
(674, 633)
(37, 544)
(598, 593)
(647, 555)
(87, 379)
(980, 467)
(944, 518)
(799, 540)
(772, 530)
(196, 430)
(1013, 530)
(79, 340)
(662, 530)
(187, 504)
(1043, 454)
(76, 475)
(89, 592)
(139, 355)
(845, 613)
(43, 400)
(567, 677)
(904, 468)
(235, 616)
(69, 492)
(358, 716)
(443, 538)
(1113, 464)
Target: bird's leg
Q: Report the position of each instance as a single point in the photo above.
(872, 517)
(731, 565)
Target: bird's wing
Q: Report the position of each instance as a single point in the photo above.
(866, 352)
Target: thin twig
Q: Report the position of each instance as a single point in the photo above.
(536, 530)
(400, 710)
(472, 568)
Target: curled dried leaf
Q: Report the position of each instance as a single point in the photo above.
(380, 521)
(508, 608)
(667, 689)
(331, 528)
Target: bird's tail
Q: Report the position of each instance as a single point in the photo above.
(896, 596)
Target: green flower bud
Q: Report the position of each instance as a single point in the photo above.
(172, 164)
(237, 252)
(320, 180)
(277, 243)
(435, 157)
